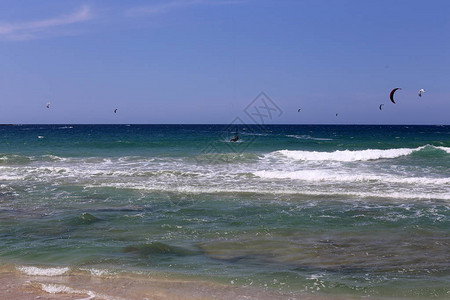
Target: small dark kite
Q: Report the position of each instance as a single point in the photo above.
(391, 96)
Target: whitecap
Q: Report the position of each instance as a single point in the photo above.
(188, 189)
(446, 149)
(35, 271)
(52, 288)
(320, 176)
(346, 155)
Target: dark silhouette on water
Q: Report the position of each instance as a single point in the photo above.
(236, 136)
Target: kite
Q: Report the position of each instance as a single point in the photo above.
(420, 92)
(392, 94)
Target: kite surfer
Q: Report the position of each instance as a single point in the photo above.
(236, 136)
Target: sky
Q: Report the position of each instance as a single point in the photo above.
(205, 61)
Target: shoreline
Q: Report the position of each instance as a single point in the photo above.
(16, 285)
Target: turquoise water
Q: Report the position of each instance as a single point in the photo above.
(351, 210)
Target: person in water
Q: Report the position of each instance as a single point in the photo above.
(236, 137)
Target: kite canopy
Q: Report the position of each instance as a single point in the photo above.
(381, 106)
(391, 96)
(48, 105)
(420, 92)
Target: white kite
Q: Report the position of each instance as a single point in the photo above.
(420, 92)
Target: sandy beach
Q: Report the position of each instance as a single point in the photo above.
(77, 286)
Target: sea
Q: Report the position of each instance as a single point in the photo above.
(327, 210)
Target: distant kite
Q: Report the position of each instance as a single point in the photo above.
(420, 92)
(115, 111)
(299, 110)
(392, 94)
(381, 106)
(336, 114)
(48, 104)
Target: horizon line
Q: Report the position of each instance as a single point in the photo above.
(224, 124)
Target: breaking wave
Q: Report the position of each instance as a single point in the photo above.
(321, 176)
(349, 155)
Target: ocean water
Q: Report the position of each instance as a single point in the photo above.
(328, 210)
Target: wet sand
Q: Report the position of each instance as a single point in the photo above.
(18, 286)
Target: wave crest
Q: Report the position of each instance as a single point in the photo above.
(324, 176)
(347, 155)
(35, 271)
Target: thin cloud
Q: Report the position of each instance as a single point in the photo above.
(168, 6)
(41, 28)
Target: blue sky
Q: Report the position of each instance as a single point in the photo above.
(204, 61)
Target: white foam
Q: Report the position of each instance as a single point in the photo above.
(320, 176)
(98, 272)
(347, 155)
(277, 191)
(59, 288)
(52, 288)
(6, 157)
(315, 276)
(446, 149)
(35, 271)
(9, 177)
(54, 157)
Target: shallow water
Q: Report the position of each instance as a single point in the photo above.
(351, 210)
